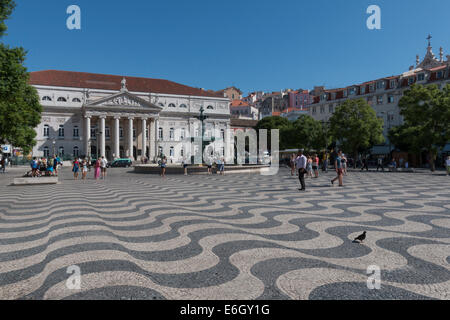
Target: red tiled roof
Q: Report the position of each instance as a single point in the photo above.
(239, 103)
(111, 82)
(438, 68)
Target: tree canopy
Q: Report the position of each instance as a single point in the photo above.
(304, 133)
(19, 102)
(356, 126)
(426, 115)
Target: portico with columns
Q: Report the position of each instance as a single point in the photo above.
(119, 126)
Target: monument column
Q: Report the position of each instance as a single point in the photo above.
(116, 146)
(130, 138)
(102, 136)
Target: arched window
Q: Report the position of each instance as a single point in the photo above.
(76, 151)
(183, 106)
(46, 152)
(62, 99)
(46, 98)
(76, 133)
(161, 104)
(210, 107)
(46, 130)
(172, 105)
(76, 100)
(172, 152)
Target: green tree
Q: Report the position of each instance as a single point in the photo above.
(356, 126)
(19, 102)
(426, 114)
(276, 122)
(6, 8)
(307, 133)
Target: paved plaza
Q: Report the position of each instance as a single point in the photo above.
(239, 236)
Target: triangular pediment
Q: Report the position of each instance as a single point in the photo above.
(123, 99)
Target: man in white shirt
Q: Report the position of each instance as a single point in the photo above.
(103, 163)
(300, 163)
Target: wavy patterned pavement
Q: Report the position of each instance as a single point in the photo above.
(226, 237)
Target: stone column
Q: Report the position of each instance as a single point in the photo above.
(152, 138)
(156, 136)
(87, 136)
(116, 137)
(130, 138)
(144, 137)
(102, 136)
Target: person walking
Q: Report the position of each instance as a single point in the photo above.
(325, 162)
(222, 166)
(184, 164)
(315, 165)
(163, 166)
(75, 168)
(339, 170)
(84, 169)
(344, 164)
(103, 164)
(292, 164)
(3, 163)
(209, 164)
(97, 169)
(309, 167)
(447, 165)
(300, 163)
(380, 164)
(364, 164)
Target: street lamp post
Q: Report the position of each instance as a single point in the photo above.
(202, 118)
(54, 142)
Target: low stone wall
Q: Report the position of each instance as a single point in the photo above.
(35, 181)
(154, 169)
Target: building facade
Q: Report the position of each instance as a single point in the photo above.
(384, 94)
(87, 114)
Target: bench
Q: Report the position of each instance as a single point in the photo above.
(35, 181)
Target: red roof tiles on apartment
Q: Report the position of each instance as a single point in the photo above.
(239, 103)
(72, 79)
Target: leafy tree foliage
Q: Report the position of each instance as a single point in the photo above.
(356, 126)
(19, 102)
(426, 114)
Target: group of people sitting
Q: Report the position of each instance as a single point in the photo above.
(44, 167)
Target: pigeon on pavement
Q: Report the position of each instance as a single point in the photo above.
(361, 237)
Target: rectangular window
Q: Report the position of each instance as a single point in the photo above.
(46, 131)
(391, 99)
(76, 132)
(380, 85)
(363, 90)
(411, 80)
(421, 77)
(393, 84)
(322, 109)
(379, 99)
(439, 75)
(61, 131)
(330, 109)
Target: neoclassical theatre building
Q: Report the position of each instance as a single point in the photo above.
(89, 114)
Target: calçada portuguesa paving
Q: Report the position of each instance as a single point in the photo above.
(238, 236)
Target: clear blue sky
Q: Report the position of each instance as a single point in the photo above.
(252, 44)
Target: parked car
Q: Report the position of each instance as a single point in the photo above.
(120, 163)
